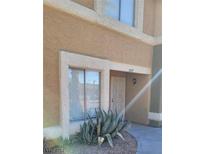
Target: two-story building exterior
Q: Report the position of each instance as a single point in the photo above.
(101, 53)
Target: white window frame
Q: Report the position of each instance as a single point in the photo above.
(74, 60)
(138, 13)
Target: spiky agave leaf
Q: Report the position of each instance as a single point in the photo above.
(122, 125)
(119, 118)
(109, 138)
(114, 133)
(92, 132)
(106, 125)
(105, 115)
(101, 115)
(112, 127)
(113, 124)
(84, 132)
(120, 135)
(90, 120)
(98, 128)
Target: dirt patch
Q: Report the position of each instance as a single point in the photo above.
(129, 146)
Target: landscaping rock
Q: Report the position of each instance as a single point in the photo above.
(129, 146)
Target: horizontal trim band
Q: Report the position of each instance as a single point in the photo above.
(155, 116)
(85, 61)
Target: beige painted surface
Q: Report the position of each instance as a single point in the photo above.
(149, 12)
(63, 31)
(86, 3)
(158, 18)
(129, 68)
(51, 94)
(138, 112)
(117, 73)
(118, 93)
(153, 17)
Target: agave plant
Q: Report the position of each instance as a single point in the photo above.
(87, 132)
(105, 127)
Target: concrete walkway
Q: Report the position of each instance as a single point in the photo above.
(149, 138)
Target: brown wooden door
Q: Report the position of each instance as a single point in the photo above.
(117, 93)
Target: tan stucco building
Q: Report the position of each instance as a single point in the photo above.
(119, 60)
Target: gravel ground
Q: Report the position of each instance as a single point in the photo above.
(129, 146)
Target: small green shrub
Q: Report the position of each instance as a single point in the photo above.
(105, 127)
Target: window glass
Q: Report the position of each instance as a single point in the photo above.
(84, 93)
(127, 12)
(122, 10)
(112, 8)
(76, 94)
(92, 87)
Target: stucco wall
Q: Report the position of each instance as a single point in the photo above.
(86, 3)
(138, 111)
(158, 18)
(156, 87)
(156, 95)
(63, 31)
(153, 17)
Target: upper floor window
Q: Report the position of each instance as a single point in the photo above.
(122, 10)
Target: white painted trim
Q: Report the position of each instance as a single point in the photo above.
(139, 15)
(96, 17)
(158, 40)
(75, 60)
(64, 96)
(129, 68)
(155, 116)
(98, 6)
(52, 132)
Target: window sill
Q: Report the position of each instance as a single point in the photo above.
(90, 15)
